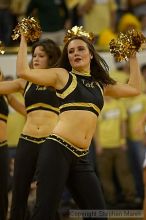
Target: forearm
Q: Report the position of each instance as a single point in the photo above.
(135, 75)
(22, 62)
(6, 87)
(15, 104)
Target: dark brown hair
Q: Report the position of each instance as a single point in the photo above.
(99, 68)
(51, 48)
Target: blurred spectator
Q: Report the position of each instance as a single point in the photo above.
(53, 16)
(98, 15)
(136, 108)
(14, 117)
(127, 22)
(72, 5)
(104, 39)
(18, 7)
(6, 22)
(142, 20)
(137, 7)
(112, 156)
(122, 8)
(121, 72)
(11, 125)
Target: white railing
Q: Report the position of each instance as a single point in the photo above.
(8, 62)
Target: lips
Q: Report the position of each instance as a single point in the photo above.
(36, 64)
(77, 59)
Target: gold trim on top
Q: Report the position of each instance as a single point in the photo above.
(42, 105)
(27, 88)
(81, 74)
(81, 104)
(3, 117)
(70, 89)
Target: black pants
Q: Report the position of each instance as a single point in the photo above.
(93, 157)
(3, 180)
(24, 169)
(57, 167)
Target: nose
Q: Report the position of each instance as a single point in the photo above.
(76, 53)
(36, 58)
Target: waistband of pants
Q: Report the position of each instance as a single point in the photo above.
(3, 143)
(75, 150)
(33, 139)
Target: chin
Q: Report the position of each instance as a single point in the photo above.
(37, 67)
(77, 68)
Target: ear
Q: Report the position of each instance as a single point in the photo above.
(91, 56)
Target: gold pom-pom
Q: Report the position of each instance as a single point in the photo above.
(2, 48)
(126, 44)
(78, 31)
(29, 27)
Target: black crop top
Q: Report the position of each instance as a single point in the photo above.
(4, 111)
(40, 98)
(81, 93)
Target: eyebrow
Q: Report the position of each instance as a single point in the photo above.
(77, 47)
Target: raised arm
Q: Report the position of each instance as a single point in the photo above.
(16, 104)
(7, 87)
(132, 88)
(47, 77)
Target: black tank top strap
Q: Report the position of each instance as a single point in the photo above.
(67, 84)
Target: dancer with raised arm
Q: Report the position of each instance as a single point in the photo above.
(80, 80)
(42, 115)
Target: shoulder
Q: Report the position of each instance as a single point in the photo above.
(21, 83)
(62, 78)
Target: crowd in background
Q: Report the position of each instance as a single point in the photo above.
(120, 147)
(106, 18)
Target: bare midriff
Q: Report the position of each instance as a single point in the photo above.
(40, 123)
(77, 127)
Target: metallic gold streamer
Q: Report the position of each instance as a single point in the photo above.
(78, 31)
(126, 44)
(29, 27)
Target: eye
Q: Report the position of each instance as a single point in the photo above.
(70, 51)
(81, 48)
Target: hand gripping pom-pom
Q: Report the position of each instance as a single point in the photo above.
(29, 27)
(126, 44)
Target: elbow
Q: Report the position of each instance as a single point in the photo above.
(137, 92)
(135, 89)
(24, 113)
(21, 73)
